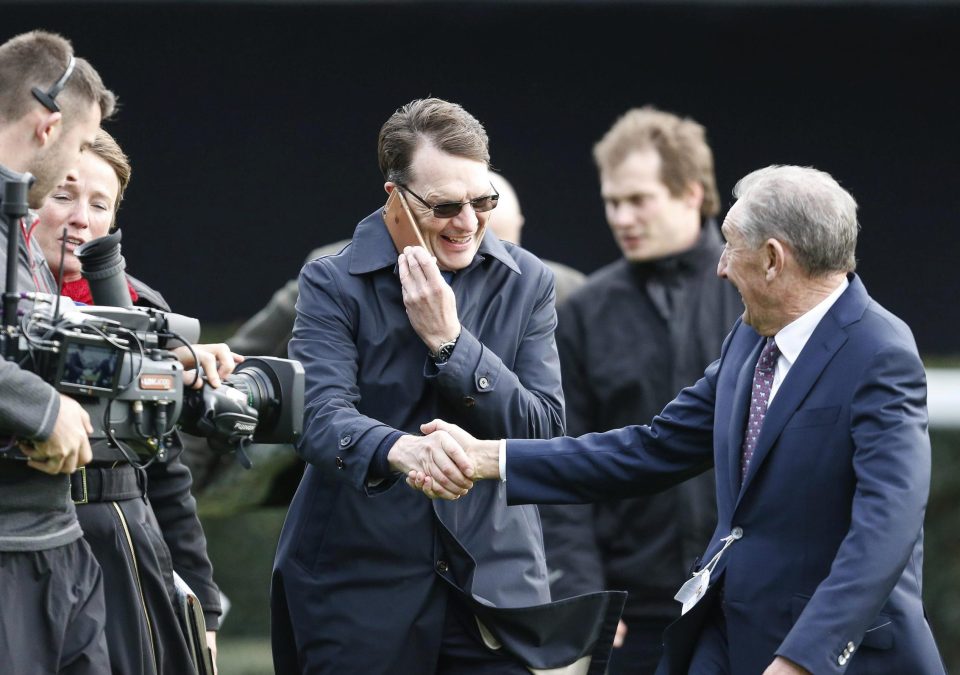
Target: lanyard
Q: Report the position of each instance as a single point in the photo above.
(694, 588)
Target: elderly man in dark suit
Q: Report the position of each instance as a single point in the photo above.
(815, 419)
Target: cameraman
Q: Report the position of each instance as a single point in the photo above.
(51, 593)
(143, 634)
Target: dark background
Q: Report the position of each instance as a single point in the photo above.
(252, 127)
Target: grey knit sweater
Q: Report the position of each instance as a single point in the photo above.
(36, 511)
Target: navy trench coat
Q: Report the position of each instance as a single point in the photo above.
(363, 571)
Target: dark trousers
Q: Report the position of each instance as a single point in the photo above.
(642, 648)
(52, 612)
(143, 634)
(462, 651)
(299, 645)
(711, 655)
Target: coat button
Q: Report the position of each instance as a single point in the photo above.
(339, 462)
(469, 401)
(483, 383)
(345, 441)
(852, 647)
(442, 566)
(842, 660)
(736, 532)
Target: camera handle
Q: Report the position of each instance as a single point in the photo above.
(13, 207)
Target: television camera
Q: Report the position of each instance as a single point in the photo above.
(115, 360)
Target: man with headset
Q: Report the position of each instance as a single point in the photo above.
(50, 584)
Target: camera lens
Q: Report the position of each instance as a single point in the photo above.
(257, 386)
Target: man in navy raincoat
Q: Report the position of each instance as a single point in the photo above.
(369, 576)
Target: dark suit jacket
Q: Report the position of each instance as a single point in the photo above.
(363, 572)
(831, 510)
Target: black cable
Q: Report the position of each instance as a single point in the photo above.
(129, 454)
(132, 335)
(176, 336)
(63, 253)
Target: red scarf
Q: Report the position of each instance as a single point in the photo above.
(79, 291)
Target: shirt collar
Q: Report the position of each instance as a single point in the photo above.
(792, 338)
(373, 249)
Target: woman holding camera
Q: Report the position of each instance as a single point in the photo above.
(139, 534)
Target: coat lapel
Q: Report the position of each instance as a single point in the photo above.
(828, 337)
(738, 418)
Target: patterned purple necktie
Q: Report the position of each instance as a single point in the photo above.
(759, 398)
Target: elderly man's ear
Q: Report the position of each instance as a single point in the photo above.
(774, 258)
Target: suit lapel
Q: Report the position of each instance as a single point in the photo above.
(827, 338)
(738, 417)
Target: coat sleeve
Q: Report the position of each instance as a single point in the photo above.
(176, 511)
(337, 437)
(523, 402)
(268, 331)
(569, 530)
(891, 462)
(621, 463)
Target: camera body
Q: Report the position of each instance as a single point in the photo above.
(113, 361)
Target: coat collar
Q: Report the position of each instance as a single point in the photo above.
(9, 175)
(701, 256)
(373, 249)
(826, 340)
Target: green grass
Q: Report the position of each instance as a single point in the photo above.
(244, 656)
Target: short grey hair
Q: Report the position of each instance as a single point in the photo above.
(804, 208)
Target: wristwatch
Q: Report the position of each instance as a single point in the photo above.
(444, 351)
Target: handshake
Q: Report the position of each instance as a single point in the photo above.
(446, 461)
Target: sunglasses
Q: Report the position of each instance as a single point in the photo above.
(48, 97)
(452, 209)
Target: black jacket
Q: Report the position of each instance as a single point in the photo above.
(631, 338)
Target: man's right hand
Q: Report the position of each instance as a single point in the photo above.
(67, 446)
(437, 455)
(484, 457)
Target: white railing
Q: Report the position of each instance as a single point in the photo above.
(943, 397)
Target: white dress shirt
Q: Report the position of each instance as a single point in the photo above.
(792, 338)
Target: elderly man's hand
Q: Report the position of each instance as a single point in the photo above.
(429, 300)
(216, 360)
(436, 455)
(67, 446)
(484, 456)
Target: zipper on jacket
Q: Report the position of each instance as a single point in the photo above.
(136, 574)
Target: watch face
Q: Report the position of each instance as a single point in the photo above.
(444, 352)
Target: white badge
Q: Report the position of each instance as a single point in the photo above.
(693, 589)
(696, 586)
